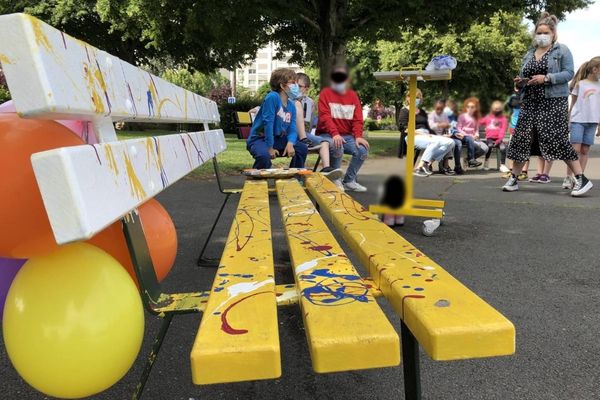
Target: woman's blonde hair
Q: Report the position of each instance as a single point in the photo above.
(550, 21)
(585, 71)
(418, 92)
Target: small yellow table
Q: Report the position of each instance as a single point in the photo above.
(413, 207)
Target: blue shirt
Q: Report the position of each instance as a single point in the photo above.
(273, 119)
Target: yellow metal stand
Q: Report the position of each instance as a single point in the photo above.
(413, 207)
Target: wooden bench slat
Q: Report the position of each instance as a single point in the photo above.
(86, 188)
(345, 328)
(238, 338)
(56, 76)
(449, 320)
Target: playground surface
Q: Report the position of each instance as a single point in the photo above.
(530, 254)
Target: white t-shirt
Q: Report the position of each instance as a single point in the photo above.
(587, 107)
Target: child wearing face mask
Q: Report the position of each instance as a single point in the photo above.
(496, 125)
(273, 132)
(341, 125)
(468, 131)
(585, 113)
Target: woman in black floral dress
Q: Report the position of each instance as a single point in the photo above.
(544, 119)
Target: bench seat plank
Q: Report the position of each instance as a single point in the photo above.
(345, 328)
(238, 338)
(55, 76)
(449, 320)
(86, 188)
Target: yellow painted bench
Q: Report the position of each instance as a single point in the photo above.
(87, 188)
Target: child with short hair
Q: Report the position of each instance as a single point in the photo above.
(585, 112)
(273, 132)
(495, 124)
(304, 109)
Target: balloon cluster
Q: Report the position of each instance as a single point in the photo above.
(72, 317)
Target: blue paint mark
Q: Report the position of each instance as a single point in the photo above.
(419, 289)
(334, 289)
(150, 103)
(217, 313)
(218, 289)
(406, 287)
(416, 275)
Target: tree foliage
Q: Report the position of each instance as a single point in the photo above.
(195, 81)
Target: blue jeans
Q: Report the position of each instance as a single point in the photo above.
(262, 159)
(583, 133)
(434, 147)
(457, 151)
(359, 155)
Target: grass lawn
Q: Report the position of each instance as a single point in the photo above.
(236, 157)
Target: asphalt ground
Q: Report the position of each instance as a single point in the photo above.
(531, 254)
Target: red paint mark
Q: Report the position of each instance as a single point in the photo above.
(428, 280)
(410, 296)
(306, 242)
(418, 255)
(320, 248)
(225, 327)
(301, 224)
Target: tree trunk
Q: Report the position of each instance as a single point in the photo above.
(332, 42)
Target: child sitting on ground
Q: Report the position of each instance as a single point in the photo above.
(273, 132)
(495, 124)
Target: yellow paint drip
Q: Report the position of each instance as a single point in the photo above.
(4, 59)
(110, 157)
(91, 85)
(137, 189)
(40, 37)
(163, 102)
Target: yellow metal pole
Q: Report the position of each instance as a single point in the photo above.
(410, 145)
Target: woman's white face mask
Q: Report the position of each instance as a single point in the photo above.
(543, 39)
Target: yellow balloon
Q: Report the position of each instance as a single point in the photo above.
(73, 322)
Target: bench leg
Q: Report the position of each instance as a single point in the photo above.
(317, 163)
(201, 260)
(410, 361)
(152, 356)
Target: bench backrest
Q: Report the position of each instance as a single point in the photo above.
(85, 188)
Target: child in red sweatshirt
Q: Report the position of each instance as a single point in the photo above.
(496, 125)
(341, 124)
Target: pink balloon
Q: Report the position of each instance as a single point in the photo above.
(8, 270)
(83, 129)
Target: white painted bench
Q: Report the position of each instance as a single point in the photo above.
(86, 188)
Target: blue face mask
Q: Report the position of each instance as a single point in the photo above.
(293, 91)
(418, 102)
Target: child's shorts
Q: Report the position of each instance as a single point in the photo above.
(583, 133)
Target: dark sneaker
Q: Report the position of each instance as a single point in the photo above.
(332, 173)
(459, 171)
(544, 179)
(535, 179)
(421, 171)
(310, 144)
(447, 171)
(512, 185)
(474, 163)
(582, 186)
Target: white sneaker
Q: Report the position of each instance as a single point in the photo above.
(568, 183)
(486, 165)
(504, 169)
(512, 185)
(389, 220)
(354, 187)
(339, 184)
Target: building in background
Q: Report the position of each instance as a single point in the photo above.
(257, 72)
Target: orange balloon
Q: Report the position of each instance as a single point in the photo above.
(160, 234)
(25, 230)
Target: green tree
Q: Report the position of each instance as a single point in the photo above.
(488, 55)
(196, 81)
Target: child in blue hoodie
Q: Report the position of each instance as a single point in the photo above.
(273, 132)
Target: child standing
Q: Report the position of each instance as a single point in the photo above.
(468, 131)
(273, 132)
(585, 112)
(495, 124)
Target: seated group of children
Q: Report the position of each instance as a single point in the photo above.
(279, 127)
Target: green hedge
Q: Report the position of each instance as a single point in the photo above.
(227, 112)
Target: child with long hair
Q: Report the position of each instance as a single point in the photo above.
(468, 131)
(585, 112)
(496, 125)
